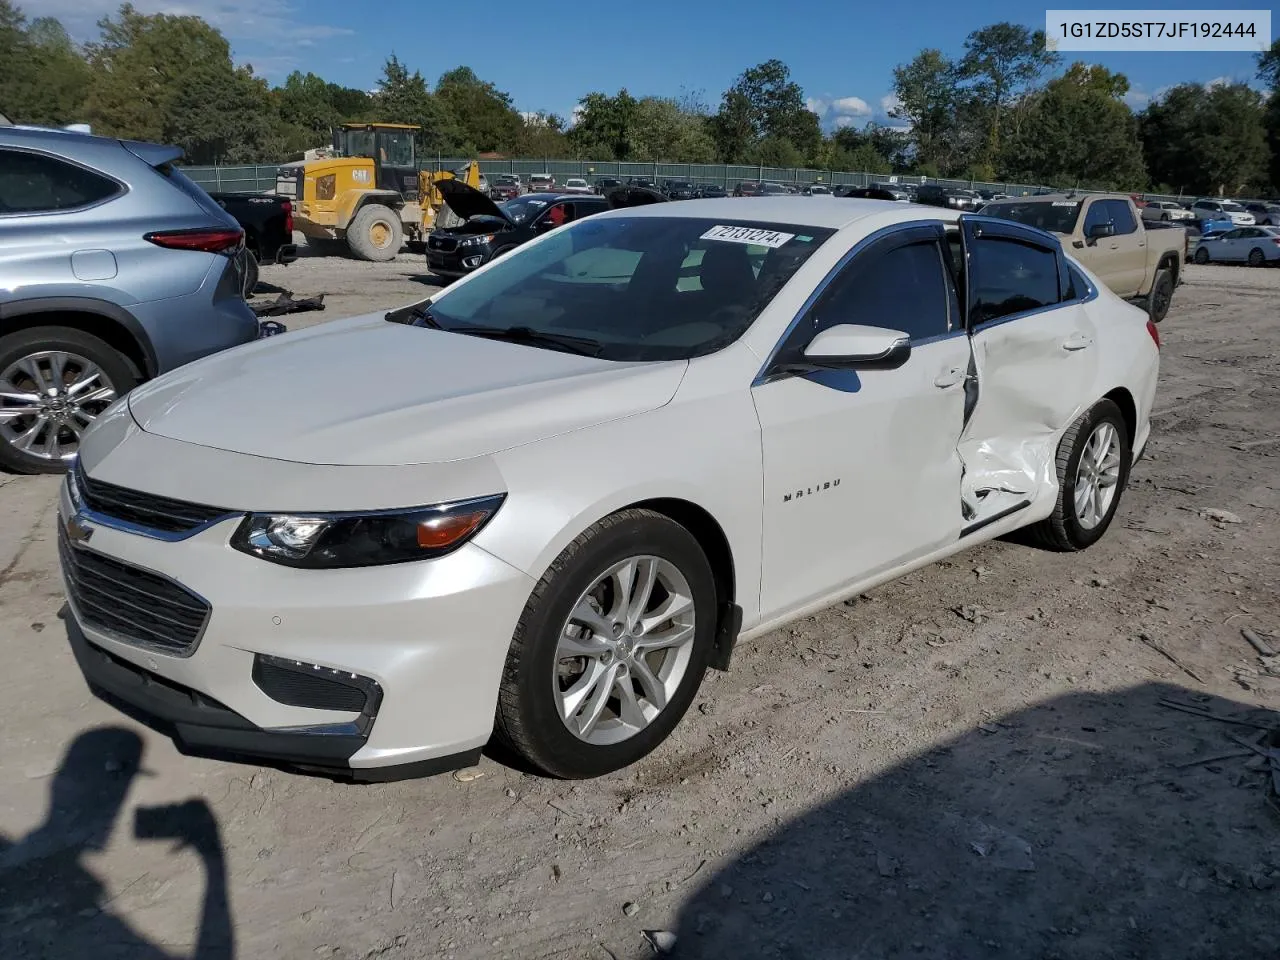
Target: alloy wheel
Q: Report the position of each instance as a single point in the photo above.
(48, 399)
(1097, 475)
(624, 650)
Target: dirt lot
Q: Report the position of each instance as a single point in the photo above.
(970, 763)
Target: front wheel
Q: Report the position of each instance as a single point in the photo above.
(376, 233)
(54, 381)
(1093, 468)
(611, 647)
(1257, 258)
(1202, 255)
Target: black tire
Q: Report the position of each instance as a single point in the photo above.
(1257, 258)
(528, 719)
(250, 274)
(1062, 530)
(25, 343)
(1161, 296)
(1202, 255)
(375, 220)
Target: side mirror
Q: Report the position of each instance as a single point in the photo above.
(1101, 230)
(850, 346)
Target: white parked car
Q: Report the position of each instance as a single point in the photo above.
(1166, 210)
(577, 185)
(578, 476)
(1238, 214)
(1256, 246)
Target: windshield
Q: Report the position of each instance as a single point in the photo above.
(1058, 216)
(679, 185)
(643, 288)
(522, 209)
(395, 147)
(1233, 208)
(774, 188)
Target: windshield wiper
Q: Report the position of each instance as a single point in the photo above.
(414, 315)
(557, 341)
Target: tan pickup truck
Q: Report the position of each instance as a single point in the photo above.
(1105, 232)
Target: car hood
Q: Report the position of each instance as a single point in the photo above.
(467, 201)
(368, 392)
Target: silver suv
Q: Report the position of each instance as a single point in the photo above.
(114, 267)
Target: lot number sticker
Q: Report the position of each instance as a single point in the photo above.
(749, 235)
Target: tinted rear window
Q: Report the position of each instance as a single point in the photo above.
(189, 187)
(36, 183)
(1058, 216)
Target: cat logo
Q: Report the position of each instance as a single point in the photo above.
(810, 491)
(360, 176)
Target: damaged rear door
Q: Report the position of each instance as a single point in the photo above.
(1035, 357)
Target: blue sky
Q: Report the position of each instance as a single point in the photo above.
(841, 55)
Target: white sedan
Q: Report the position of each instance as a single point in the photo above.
(1256, 246)
(541, 504)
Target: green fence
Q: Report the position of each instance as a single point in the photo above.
(262, 177)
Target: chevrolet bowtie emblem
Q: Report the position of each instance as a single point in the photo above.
(78, 531)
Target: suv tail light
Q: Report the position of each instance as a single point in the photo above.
(288, 219)
(1155, 334)
(208, 241)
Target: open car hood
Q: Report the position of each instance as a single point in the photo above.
(468, 202)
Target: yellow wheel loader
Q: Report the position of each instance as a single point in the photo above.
(371, 197)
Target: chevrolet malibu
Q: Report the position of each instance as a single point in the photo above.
(569, 484)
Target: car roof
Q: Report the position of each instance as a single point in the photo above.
(825, 212)
(550, 195)
(29, 134)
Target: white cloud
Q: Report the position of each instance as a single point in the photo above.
(252, 27)
(1219, 82)
(889, 103)
(1137, 99)
(843, 121)
(817, 105)
(851, 107)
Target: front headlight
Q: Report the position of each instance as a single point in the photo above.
(475, 241)
(326, 541)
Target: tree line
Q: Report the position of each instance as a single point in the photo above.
(1004, 110)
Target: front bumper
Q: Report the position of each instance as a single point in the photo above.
(431, 637)
(458, 262)
(201, 726)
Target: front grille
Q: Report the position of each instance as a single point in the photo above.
(131, 604)
(143, 509)
(442, 243)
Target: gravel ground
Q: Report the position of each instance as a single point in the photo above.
(350, 287)
(969, 763)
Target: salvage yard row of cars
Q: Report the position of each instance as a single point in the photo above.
(606, 454)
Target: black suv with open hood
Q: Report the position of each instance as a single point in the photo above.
(491, 229)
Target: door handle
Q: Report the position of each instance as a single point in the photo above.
(949, 378)
(1077, 341)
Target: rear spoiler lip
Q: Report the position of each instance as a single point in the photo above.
(153, 154)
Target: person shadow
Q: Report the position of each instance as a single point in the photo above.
(52, 905)
(1087, 826)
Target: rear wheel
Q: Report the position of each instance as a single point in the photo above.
(1256, 257)
(610, 649)
(1202, 255)
(54, 381)
(1161, 295)
(1093, 468)
(375, 234)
